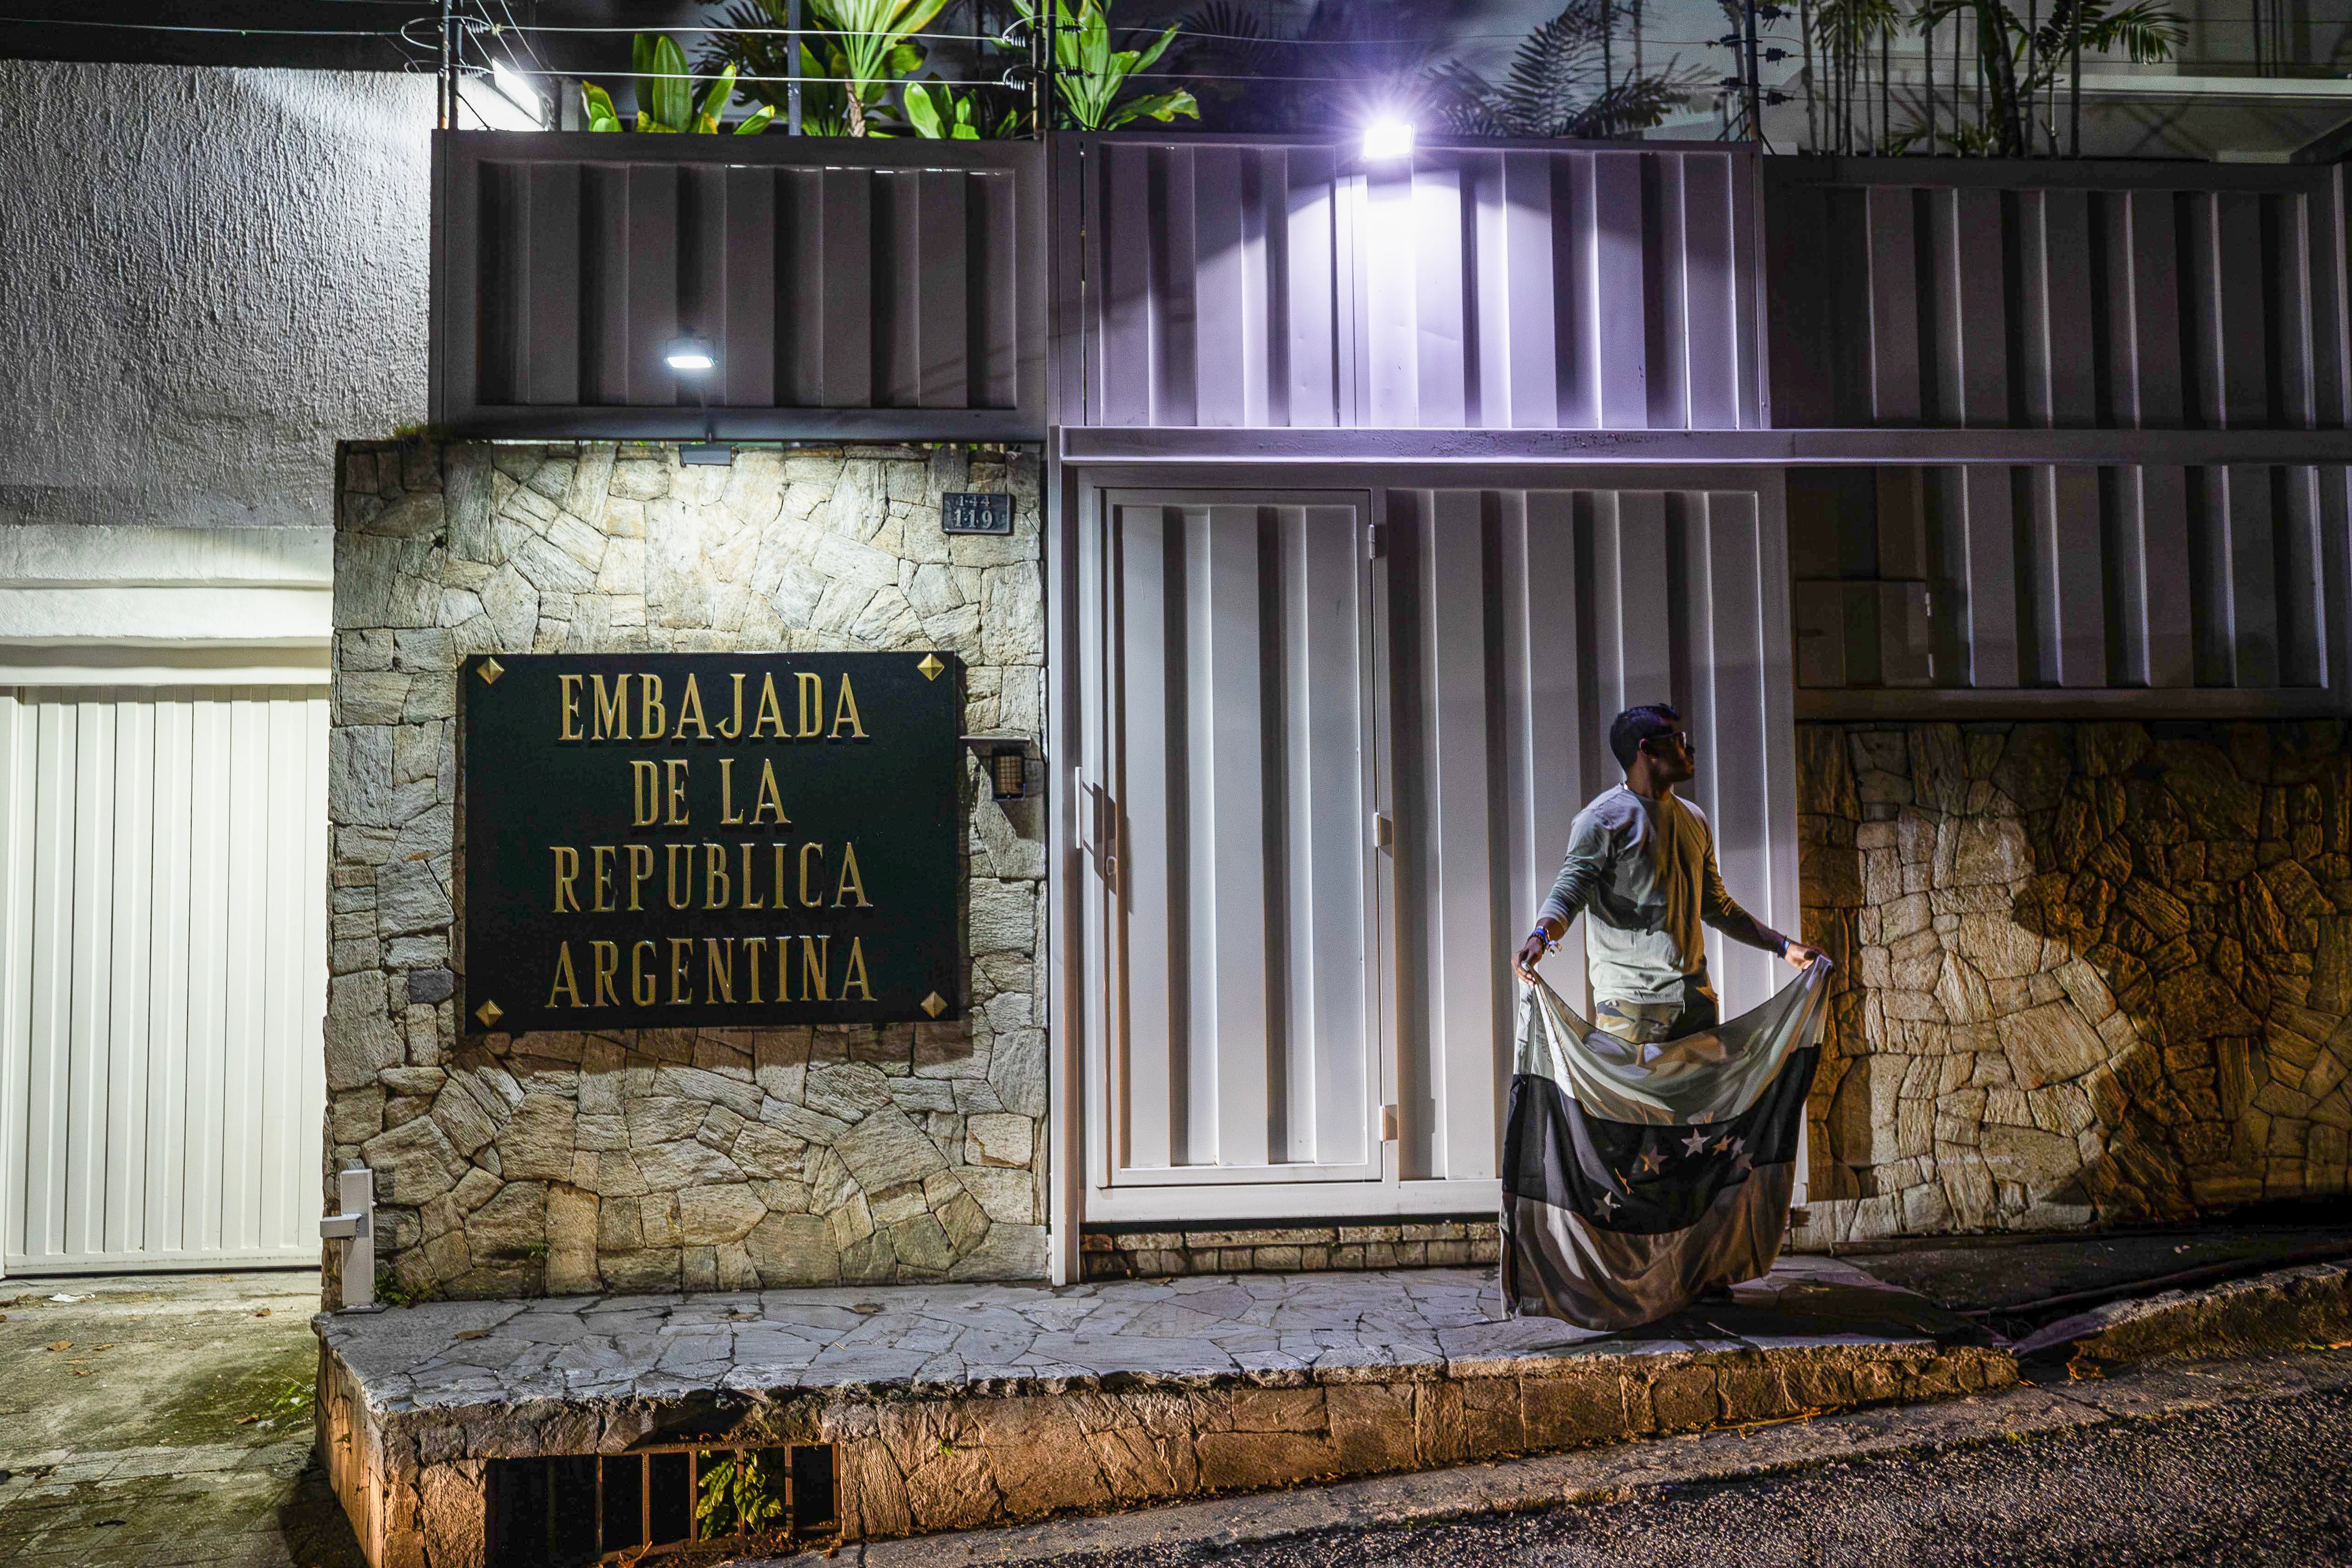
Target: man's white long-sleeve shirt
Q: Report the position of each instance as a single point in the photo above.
(1643, 873)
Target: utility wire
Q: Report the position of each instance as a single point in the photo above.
(183, 27)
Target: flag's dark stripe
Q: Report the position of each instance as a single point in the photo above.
(1558, 1155)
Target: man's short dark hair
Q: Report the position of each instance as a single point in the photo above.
(1636, 724)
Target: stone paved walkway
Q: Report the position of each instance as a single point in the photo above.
(1000, 1340)
(162, 1421)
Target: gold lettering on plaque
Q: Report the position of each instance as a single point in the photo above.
(674, 770)
(736, 733)
(812, 966)
(681, 951)
(851, 882)
(717, 886)
(812, 692)
(643, 986)
(806, 851)
(771, 799)
(677, 899)
(854, 974)
(566, 982)
(567, 688)
(644, 793)
(608, 716)
(748, 902)
(605, 959)
(652, 717)
(567, 873)
(600, 863)
(717, 977)
(728, 816)
(771, 717)
(641, 871)
(846, 711)
(751, 946)
(689, 711)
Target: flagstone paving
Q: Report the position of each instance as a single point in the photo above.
(951, 1406)
(1002, 1340)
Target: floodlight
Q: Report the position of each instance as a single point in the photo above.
(1387, 138)
(692, 353)
(516, 88)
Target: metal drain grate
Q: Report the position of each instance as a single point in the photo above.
(570, 1511)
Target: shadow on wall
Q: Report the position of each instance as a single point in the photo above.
(2089, 974)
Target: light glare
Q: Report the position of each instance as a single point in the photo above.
(1388, 139)
(690, 351)
(517, 89)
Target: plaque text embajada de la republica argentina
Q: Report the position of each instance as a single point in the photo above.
(653, 841)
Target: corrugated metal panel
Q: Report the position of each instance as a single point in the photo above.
(888, 289)
(1230, 704)
(2154, 589)
(162, 965)
(1944, 292)
(1266, 282)
(1520, 624)
(1335, 788)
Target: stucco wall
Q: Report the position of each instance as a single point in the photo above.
(2090, 974)
(213, 275)
(656, 1159)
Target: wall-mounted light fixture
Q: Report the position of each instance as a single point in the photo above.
(1005, 760)
(692, 355)
(1387, 139)
(690, 352)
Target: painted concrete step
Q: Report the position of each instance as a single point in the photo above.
(953, 1407)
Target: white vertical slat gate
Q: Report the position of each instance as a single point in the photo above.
(1329, 771)
(162, 976)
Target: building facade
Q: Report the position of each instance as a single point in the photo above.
(2004, 595)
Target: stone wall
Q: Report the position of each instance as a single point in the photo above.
(2090, 973)
(655, 1160)
(1279, 1248)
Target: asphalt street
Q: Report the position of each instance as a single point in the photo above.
(2244, 1484)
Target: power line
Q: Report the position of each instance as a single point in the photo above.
(184, 28)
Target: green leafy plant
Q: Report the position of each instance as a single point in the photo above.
(1092, 76)
(935, 111)
(665, 95)
(875, 39)
(741, 1495)
(755, 44)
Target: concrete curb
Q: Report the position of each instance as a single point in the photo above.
(2285, 1310)
(2294, 1318)
(1623, 1473)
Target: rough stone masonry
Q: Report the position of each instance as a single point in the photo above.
(2090, 974)
(668, 1159)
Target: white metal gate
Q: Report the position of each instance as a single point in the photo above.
(1330, 744)
(162, 976)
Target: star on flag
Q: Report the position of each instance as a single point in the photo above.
(1653, 1161)
(1697, 1142)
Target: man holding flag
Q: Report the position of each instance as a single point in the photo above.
(1650, 1159)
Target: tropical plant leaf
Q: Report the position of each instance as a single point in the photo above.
(756, 121)
(1161, 106)
(596, 105)
(922, 114)
(715, 101)
(663, 91)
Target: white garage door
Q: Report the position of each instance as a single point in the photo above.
(162, 976)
